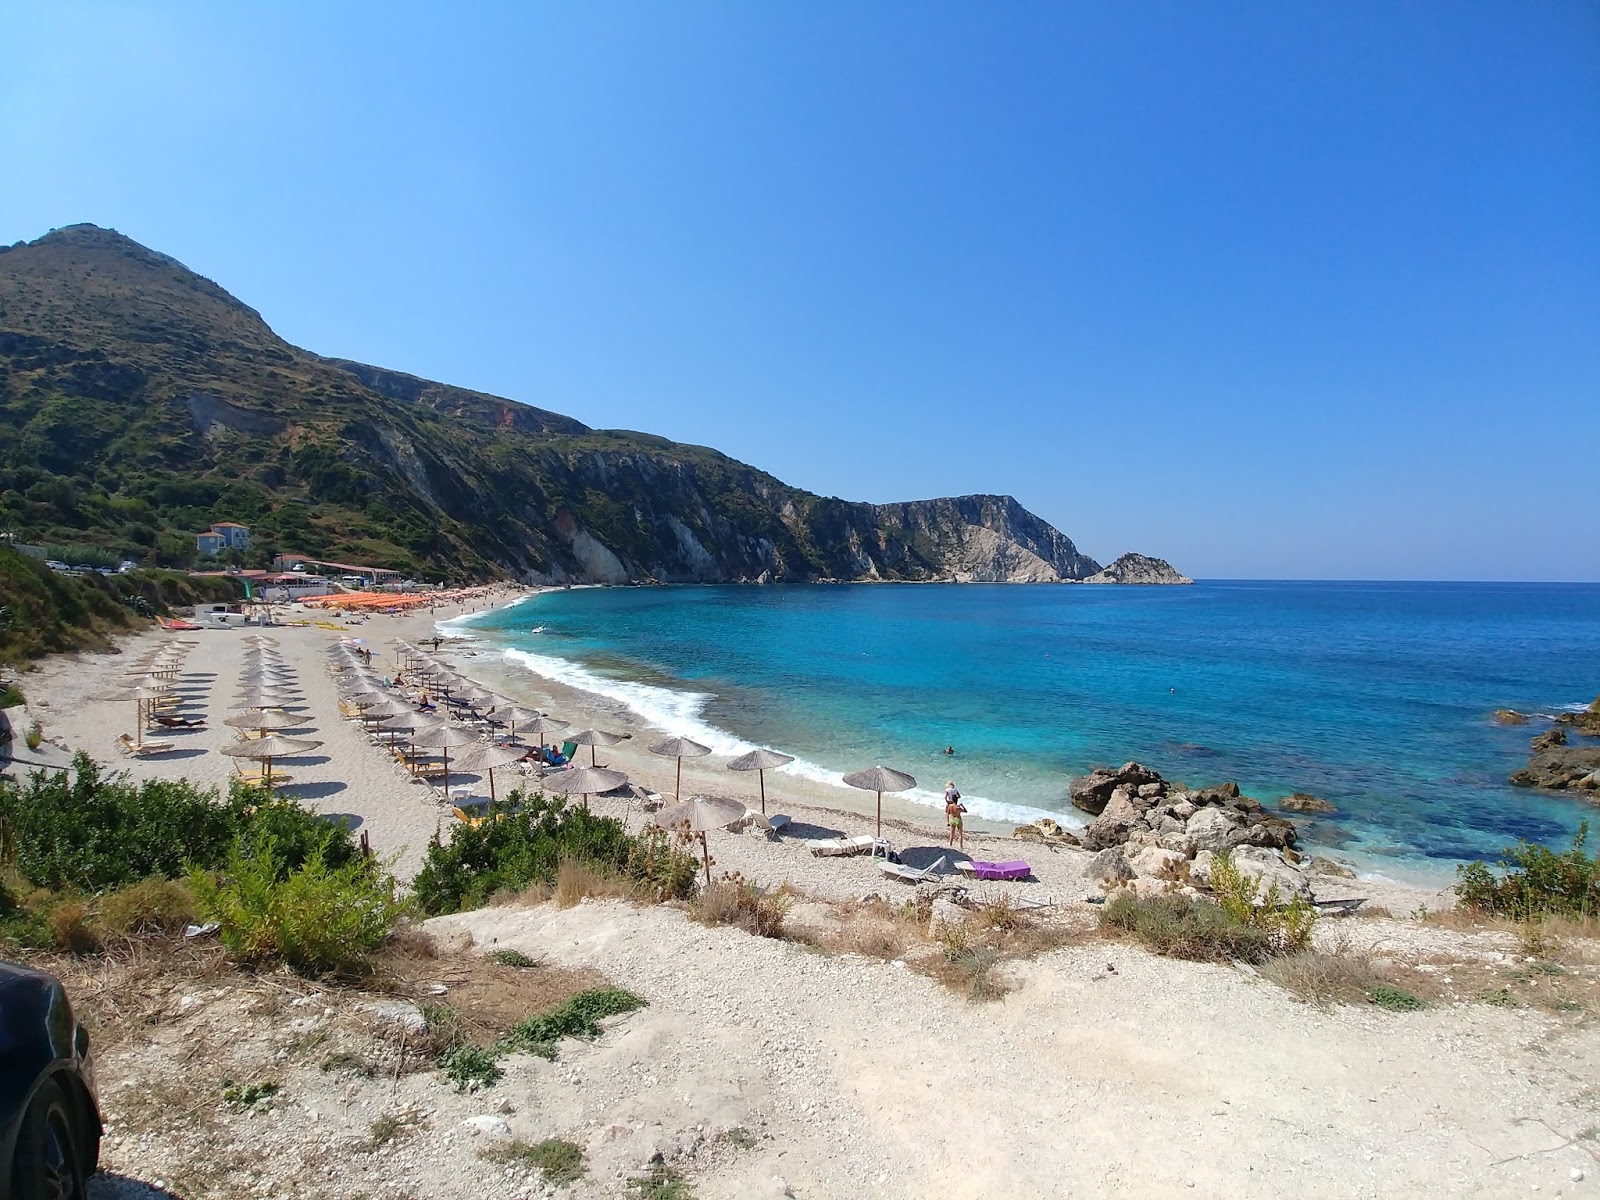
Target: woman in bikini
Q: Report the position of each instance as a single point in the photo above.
(953, 808)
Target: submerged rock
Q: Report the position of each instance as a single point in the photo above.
(1548, 740)
(1510, 716)
(1304, 802)
(1326, 866)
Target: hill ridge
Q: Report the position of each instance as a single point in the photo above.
(142, 401)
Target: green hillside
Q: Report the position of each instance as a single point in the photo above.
(139, 402)
(42, 612)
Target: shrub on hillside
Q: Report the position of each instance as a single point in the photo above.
(1535, 882)
(1182, 927)
(316, 918)
(525, 842)
(87, 831)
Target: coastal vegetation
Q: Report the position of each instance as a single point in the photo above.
(43, 611)
(531, 841)
(1534, 882)
(88, 858)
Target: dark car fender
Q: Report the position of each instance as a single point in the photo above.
(40, 1040)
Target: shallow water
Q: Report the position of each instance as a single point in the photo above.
(1376, 696)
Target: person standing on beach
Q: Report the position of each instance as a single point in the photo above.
(953, 808)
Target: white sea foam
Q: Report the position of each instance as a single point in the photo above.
(681, 713)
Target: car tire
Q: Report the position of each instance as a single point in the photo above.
(48, 1163)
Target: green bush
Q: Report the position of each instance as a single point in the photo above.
(316, 918)
(1395, 999)
(11, 695)
(579, 1017)
(468, 1066)
(1183, 927)
(86, 831)
(559, 1161)
(1536, 882)
(1241, 897)
(524, 844)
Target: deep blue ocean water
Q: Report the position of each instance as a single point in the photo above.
(1376, 696)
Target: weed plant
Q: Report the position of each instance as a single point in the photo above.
(734, 900)
(560, 1162)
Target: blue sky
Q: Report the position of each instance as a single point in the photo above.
(1270, 289)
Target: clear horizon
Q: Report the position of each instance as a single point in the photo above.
(1271, 292)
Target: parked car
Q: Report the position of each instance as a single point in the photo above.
(49, 1114)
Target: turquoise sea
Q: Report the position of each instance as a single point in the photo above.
(1376, 696)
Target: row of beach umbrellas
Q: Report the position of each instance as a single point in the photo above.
(268, 689)
(595, 779)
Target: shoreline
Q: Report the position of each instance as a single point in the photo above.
(492, 666)
(351, 778)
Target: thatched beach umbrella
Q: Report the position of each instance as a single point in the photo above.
(880, 780)
(679, 748)
(513, 714)
(592, 738)
(269, 747)
(761, 761)
(389, 706)
(443, 738)
(150, 690)
(582, 781)
(265, 720)
(701, 814)
(486, 758)
(543, 727)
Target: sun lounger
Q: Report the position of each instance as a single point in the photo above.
(989, 870)
(907, 874)
(862, 843)
(259, 778)
(139, 750)
(1341, 908)
(773, 825)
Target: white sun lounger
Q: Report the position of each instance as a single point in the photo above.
(907, 874)
(862, 843)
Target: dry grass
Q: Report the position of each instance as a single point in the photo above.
(1339, 976)
(732, 900)
(578, 880)
(965, 957)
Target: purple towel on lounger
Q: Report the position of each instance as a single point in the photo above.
(1005, 870)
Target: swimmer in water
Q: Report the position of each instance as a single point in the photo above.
(949, 749)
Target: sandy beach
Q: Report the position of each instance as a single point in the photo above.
(352, 778)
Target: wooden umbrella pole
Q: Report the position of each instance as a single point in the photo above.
(592, 762)
(138, 723)
(762, 775)
(678, 797)
(880, 814)
(491, 785)
(705, 849)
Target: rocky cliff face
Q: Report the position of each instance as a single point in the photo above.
(139, 401)
(1139, 568)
